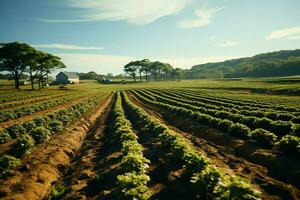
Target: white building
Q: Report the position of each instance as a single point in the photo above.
(67, 78)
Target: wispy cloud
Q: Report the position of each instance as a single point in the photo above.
(132, 11)
(287, 33)
(295, 37)
(104, 64)
(228, 43)
(203, 17)
(66, 46)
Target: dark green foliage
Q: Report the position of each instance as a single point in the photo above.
(263, 137)
(239, 130)
(23, 145)
(55, 125)
(29, 125)
(40, 134)
(16, 130)
(7, 162)
(224, 125)
(4, 136)
(278, 63)
(289, 144)
(296, 129)
(206, 181)
(296, 120)
(281, 128)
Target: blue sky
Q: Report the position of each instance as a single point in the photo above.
(103, 35)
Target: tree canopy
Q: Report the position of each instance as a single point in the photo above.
(151, 70)
(19, 58)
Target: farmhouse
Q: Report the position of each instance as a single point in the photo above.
(67, 78)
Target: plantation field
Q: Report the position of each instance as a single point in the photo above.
(189, 139)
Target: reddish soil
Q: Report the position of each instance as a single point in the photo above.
(234, 156)
(42, 168)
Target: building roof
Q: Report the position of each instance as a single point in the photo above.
(70, 74)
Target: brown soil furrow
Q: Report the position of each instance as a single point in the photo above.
(82, 169)
(225, 157)
(25, 118)
(40, 169)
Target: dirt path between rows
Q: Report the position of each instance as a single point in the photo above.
(25, 118)
(225, 157)
(40, 169)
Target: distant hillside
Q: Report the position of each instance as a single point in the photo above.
(279, 63)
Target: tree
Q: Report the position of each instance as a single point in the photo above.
(14, 58)
(47, 64)
(131, 69)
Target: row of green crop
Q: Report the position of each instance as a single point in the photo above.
(6, 115)
(38, 130)
(243, 102)
(236, 109)
(288, 144)
(132, 183)
(18, 97)
(207, 181)
(30, 101)
(280, 128)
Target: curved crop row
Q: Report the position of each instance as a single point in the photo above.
(232, 107)
(208, 181)
(27, 110)
(13, 97)
(280, 128)
(289, 144)
(244, 102)
(30, 101)
(40, 129)
(132, 183)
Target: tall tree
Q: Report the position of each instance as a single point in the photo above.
(131, 69)
(47, 64)
(14, 58)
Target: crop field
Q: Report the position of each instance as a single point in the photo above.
(197, 139)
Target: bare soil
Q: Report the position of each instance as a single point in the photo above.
(40, 169)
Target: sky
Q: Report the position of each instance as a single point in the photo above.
(104, 35)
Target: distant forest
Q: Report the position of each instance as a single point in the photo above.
(279, 63)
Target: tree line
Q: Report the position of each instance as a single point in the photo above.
(19, 58)
(152, 70)
(278, 63)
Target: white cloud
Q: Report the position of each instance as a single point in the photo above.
(288, 33)
(104, 64)
(66, 46)
(229, 43)
(132, 11)
(203, 18)
(295, 37)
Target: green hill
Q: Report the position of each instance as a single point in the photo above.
(279, 63)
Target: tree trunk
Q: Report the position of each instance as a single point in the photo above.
(134, 77)
(31, 80)
(141, 77)
(17, 80)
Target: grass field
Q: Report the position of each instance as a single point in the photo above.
(188, 139)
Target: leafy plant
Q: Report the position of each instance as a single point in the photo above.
(40, 134)
(7, 162)
(263, 137)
